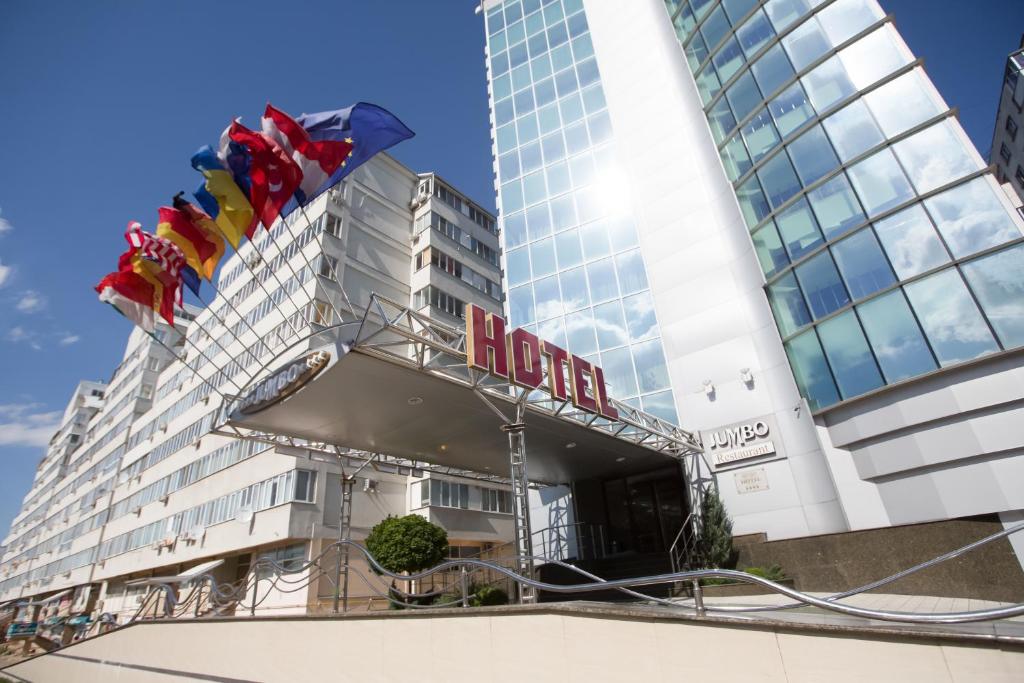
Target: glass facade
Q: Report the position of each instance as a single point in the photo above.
(887, 250)
(572, 261)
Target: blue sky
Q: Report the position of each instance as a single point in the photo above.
(104, 102)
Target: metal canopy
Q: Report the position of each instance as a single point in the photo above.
(398, 384)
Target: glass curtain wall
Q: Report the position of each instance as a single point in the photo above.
(573, 268)
(887, 248)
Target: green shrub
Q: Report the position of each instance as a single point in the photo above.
(772, 573)
(488, 595)
(407, 544)
(714, 547)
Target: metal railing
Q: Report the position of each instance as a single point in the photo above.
(292, 579)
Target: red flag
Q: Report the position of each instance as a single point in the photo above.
(274, 176)
(317, 159)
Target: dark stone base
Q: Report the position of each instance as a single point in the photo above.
(837, 562)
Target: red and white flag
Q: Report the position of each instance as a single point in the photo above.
(317, 160)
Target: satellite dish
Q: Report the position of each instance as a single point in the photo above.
(244, 515)
(197, 532)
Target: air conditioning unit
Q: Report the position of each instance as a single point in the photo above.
(137, 509)
(369, 485)
(164, 498)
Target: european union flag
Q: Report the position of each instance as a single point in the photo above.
(371, 128)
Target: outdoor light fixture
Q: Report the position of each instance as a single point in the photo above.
(747, 377)
(443, 447)
(620, 459)
(571, 444)
(709, 388)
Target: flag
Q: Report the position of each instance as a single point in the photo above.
(272, 176)
(165, 286)
(317, 160)
(205, 225)
(131, 295)
(371, 129)
(158, 249)
(201, 251)
(221, 197)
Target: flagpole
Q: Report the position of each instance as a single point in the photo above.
(224, 324)
(259, 283)
(280, 284)
(305, 258)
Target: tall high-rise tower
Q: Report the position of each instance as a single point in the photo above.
(762, 219)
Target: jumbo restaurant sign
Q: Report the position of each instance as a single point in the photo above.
(516, 356)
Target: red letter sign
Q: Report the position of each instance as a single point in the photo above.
(604, 405)
(582, 371)
(524, 353)
(557, 359)
(485, 341)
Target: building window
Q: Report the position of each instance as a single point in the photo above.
(328, 267)
(447, 494)
(289, 558)
(305, 486)
(1004, 152)
(435, 297)
(1019, 175)
(1011, 127)
(495, 500)
(333, 225)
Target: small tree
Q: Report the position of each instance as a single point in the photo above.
(714, 547)
(407, 544)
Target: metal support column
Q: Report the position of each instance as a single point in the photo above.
(520, 501)
(344, 534)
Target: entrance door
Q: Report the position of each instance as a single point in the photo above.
(643, 511)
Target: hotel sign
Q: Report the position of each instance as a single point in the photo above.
(283, 383)
(740, 441)
(517, 357)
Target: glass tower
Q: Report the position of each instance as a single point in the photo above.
(573, 266)
(888, 248)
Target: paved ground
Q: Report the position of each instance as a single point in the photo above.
(881, 601)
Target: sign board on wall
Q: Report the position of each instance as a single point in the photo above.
(751, 481)
(736, 443)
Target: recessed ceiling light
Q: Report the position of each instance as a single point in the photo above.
(444, 447)
(620, 459)
(415, 400)
(571, 444)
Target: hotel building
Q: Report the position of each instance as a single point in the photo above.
(135, 484)
(765, 223)
(1007, 152)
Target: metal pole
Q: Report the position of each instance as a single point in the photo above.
(344, 535)
(698, 598)
(464, 585)
(520, 501)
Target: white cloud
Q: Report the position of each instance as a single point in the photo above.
(31, 301)
(5, 225)
(18, 334)
(69, 339)
(22, 424)
(5, 273)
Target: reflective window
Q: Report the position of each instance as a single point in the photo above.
(595, 240)
(821, 285)
(998, 282)
(853, 366)
(542, 255)
(811, 370)
(812, 155)
(650, 363)
(601, 275)
(567, 248)
(970, 218)
(538, 221)
(788, 305)
(558, 182)
(728, 60)
(579, 328)
(715, 28)
(791, 109)
(737, 9)
(934, 157)
(798, 229)
(754, 34)
(778, 179)
(949, 317)
(622, 233)
(768, 248)
(530, 155)
(902, 103)
(806, 43)
(880, 183)
(862, 264)
(575, 293)
(752, 202)
(640, 319)
(827, 84)
(553, 147)
(872, 57)
(701, 7)
(760, 135)
(520, 302)
(661, 405)
(836, 206)
(618, 373)
(735, 158)
(844, 19)
(708, 84)
(911, 243)
(895, 337)
(533, 188)
(517, 265)
(852, 130)
(785, 12)
(743, 96)
(610, 325)
(696, 52)
(772, 70)
(563, 212)
(632, 276)
(515, 230)
(721, 119)
(547, 298)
